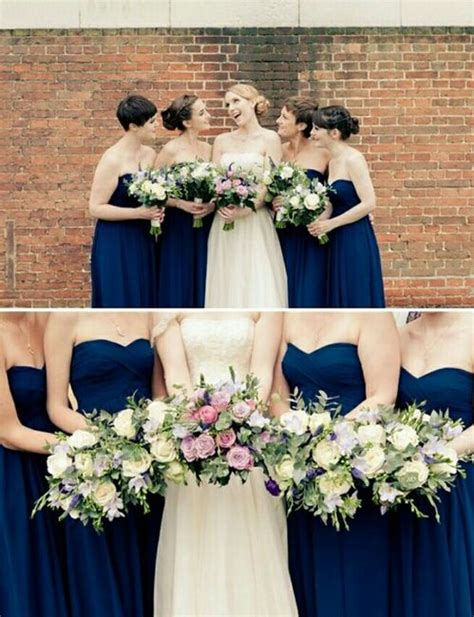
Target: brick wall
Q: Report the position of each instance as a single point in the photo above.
(409, 88)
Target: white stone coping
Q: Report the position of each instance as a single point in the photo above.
(41, 14)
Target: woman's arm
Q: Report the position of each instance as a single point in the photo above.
(170, 349)
(104, 184)
(360, 177)
(13, 434)
(379, 354)
(279, 401)
(265, 349)
(59, 343)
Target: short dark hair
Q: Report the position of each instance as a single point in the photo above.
(303, 109)
(135, 109)
(178, 112)
(336, 117)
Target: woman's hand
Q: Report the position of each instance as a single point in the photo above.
(277, 203)
(191, 207)
(320, 227)
(232, 213)
(205, 209)
(149, 214)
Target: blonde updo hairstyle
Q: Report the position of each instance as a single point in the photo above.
(250, 93)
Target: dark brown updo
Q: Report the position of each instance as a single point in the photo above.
(336, 117)
(303, 110)
(178, 112)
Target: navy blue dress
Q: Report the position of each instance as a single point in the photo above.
(183, 260)
(112, 574)
(433, 564)
(336, 573)
(306, 263)
(31, 550)
(355, 272)
(124, 265)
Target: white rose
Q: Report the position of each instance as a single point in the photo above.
(295, 422)
(287, 172)
(159, 192)
(84, 463)
(371, 433)
(311, 201)
(403, 436)
(136, 466)
(319, 419)
(157, 411)
(450, 466)
(284, 469)
(175, 472)
(104, 493)
(295, 201)
(123, 425)
(334, 483)
(257, 420)
(267, 178)
(326, 453)
(82, 439)
(371, 462)
(58, 463)
(147, 186)
(163, 450)
(413, 475)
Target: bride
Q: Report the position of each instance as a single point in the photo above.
(222, 550)
(245, 266)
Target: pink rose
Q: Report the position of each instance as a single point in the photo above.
(242, 191)
(220, 400)
(241, 411)
(252, 404)
(226, 185)
(205, 446)
(239, 458)
(226, 439)
(208, 414)
(266, 436)
(236, 182)
(188, 448)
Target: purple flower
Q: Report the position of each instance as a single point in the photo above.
(239, 458)
(205, 446)
(188, 448)
(75, 501)
(272, 487)
(357, 473)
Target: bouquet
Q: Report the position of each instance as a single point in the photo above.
(282, 178)
(417, 462)
(152, 188)
(237, 189)
(302, 205)
(98, 473)
(308, 461)
(195, 181)
(220, 430)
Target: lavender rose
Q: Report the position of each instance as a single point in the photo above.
(188, 448)
(226, 439)
(239, 458)
(205, 446)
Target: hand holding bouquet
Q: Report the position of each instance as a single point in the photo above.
(236, 189)
(195, 181)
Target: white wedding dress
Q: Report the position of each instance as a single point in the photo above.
(245, 267)
(222, 550)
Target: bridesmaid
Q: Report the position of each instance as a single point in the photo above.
(434, 563)
(124, 255)
(354, 357)
(305, 259)
(31, 550)
(183, 249)
(355, 271)
(105, 357)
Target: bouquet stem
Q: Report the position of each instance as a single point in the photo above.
(229, 226)
(155, 229)
(197, 223)
(323, 239)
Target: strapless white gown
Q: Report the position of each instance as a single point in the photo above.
(222, 550)
(245, 267)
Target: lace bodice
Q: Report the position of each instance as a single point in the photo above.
(212, 345)
(246, 161)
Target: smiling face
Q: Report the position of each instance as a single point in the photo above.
(324, 137)
(288, 128)
(200, 117)
(239, 109)
(147, 132)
